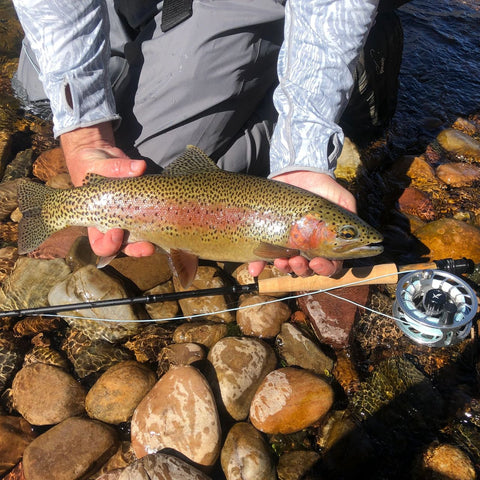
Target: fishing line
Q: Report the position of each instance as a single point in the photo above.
(235, 309)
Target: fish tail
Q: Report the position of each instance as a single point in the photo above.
(32, 229)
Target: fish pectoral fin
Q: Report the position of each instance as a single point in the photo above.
(184, 266)
(104, 261)
(267, 250)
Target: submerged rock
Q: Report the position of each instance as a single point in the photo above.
(11, 356)
(459, 144)
(458, 174)
(295, 464)
(49, 164)
(203, 333)
(8, 198)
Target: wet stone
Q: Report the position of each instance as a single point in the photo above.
(15, 434)
(70, 450)
(182, 354)
(261, 319)
(415, 202)
(148, 343)
(161, 310)
(8, 198)
(90, 284)
(49, 164)
(46, 395)
(206, 334)
(157, 466)
(8, 257)
(295, 464)
(240, 365)
(349, 162)
(206, 277)
(178, 413)
(246, 455)
(11, 356)
(289, 400)
(20, 166)
(123, 457)
(34, 325)
(115, 395)
(47, 355)
(299, 350)
(5, 148)
(459, 144)
(458, 174)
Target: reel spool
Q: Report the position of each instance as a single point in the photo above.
(434, 307)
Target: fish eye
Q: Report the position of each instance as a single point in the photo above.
(347, 232)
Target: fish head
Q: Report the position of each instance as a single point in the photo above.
(340, 235)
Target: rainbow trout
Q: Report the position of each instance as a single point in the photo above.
(193, 209)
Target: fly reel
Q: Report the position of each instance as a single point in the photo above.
(434, 307)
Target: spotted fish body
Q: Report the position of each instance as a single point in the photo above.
(197, 208)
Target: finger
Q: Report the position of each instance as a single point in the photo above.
(105, 245)
(282, 265)
(139, 249)
(118, 167)
(299, 266)
(322, 266)
(256, 268)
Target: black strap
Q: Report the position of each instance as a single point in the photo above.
(175, 12)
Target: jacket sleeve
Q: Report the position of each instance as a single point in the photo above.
(70, 40)
(323, 39)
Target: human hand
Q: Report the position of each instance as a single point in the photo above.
(92, 150)
(324, 185)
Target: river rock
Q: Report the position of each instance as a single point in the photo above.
(30, 281)
(182, 354)
(70, 450)
(206, 334)
(246, 455)
(178, 413)
(417, 170)
(289, 400)
(157, 466)
(5, 148)
(415, 202)
(11, 356)
(295, 464)
(243, 277)
(332, 318)
(260, 319)
(459, 144)
(90, 284)
(8, 198)
(299, 350)
(115, 395)
(457, 174)
(144, 272)
(46, 354)
(8, 257)
(20, 166)
(349, 162)
(446, 461)
(150, 340)
(450, 238)
(212, 307)
(46, 395)
(49, 164)
(123, 457)
(240, 365)
(161, 310)
(15, 434)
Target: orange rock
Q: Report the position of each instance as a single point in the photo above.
(289, 400)
(415, 202)
(49, 164)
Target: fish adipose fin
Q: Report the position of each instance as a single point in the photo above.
(267, 250)
(184, 266)
(193, 160)
(32, 229)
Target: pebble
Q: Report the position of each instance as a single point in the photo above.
(289, 400)
(332, 318)
(246, 455)
(182, 353)
(457, 174)
(178, 413)
(70, 450)
(157, 466)
(15, 434)
(263, 320)
(299, 350)
(89, 284)
(447, 461)
(459, 144)
(416, 202)
(295, 464)
(240, 365)
(206, 277)
(49, 164)
(203, 333)
(450, 238)
(46, 395)
(115, 395)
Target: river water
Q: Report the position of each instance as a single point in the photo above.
(440, 73)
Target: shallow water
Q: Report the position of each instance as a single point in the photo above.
(440, 68)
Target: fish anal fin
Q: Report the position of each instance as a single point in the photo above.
(185, 266)
(267, 250)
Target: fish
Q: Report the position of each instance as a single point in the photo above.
(195, 210)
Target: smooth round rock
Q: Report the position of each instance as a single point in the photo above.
(182, 353)
(178, 413)
(240, 365)
(459, 144)
(458, 174)
(69, 450)
(46, 395)
(206, 334)
(246, 455)
(289, 400)
(261, 319)
(115, 395)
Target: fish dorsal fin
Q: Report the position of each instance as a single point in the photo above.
(193, 160)
(267, 251)
(185, 266)
(93, 178)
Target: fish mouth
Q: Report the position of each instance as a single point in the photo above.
(347, 251)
